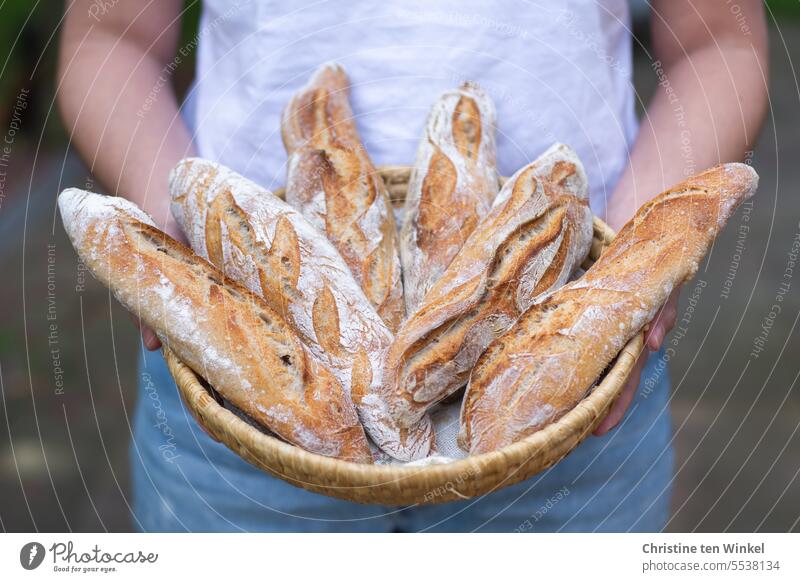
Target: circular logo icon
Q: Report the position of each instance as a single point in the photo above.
(31, 555)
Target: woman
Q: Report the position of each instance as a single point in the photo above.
(557, 71)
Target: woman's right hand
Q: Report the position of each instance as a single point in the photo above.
(149, 337)
(109, 63)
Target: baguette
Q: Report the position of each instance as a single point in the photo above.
(259, 240)
(223, 332)
(548, 361)
(536, 235)
(332, 181)
(451, 187)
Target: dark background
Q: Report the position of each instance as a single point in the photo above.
(63, 447)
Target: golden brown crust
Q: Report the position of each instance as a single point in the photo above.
(549, 359)
(332, 181)
(468, 127)
(274, 251)
(529, 244)
(221, 330)
(321, 114)
(452, 185)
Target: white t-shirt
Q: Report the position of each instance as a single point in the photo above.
(557, 71)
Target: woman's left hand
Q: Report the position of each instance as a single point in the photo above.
(653, 338)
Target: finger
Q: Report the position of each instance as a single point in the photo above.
(655, 337)
(661, 325)
(654, 333)
(663, 322)
(617, 412)
(150, 339)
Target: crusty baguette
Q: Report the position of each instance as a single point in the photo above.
(332, 181)
(320, 114)
(452, 185)
(535, 236)
(262, 242)
(550, 358)
(223, 332)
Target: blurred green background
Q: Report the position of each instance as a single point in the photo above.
(63, 449)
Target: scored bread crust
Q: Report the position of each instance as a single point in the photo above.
(259, 240)
(332, 181)
(225, 333)
(538, 232)
(550, 358)
(451, 187)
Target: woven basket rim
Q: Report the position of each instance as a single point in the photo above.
(339, 478)
(607, 389)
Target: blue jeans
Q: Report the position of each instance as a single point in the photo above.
(184, 481)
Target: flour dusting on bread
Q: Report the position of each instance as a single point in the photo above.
(274, 251)
(451, 188)
(545, 364)
(217, 327)
(332, 182)
(528, 245)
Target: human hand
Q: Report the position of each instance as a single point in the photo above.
(149, 338)
(660, 326)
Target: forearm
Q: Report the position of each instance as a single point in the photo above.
(707, 109)
(130, 142)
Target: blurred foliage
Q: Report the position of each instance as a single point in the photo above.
(25, 29)
(28, 57)
(784, 8)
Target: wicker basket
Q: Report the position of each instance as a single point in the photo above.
(397, 484)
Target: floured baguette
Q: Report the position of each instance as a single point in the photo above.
(548, 361)
(332, 181)
(222, 331)
(452, 185)
(535, 236)
(262, 242)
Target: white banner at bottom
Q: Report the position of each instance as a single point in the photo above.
(331, 557)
